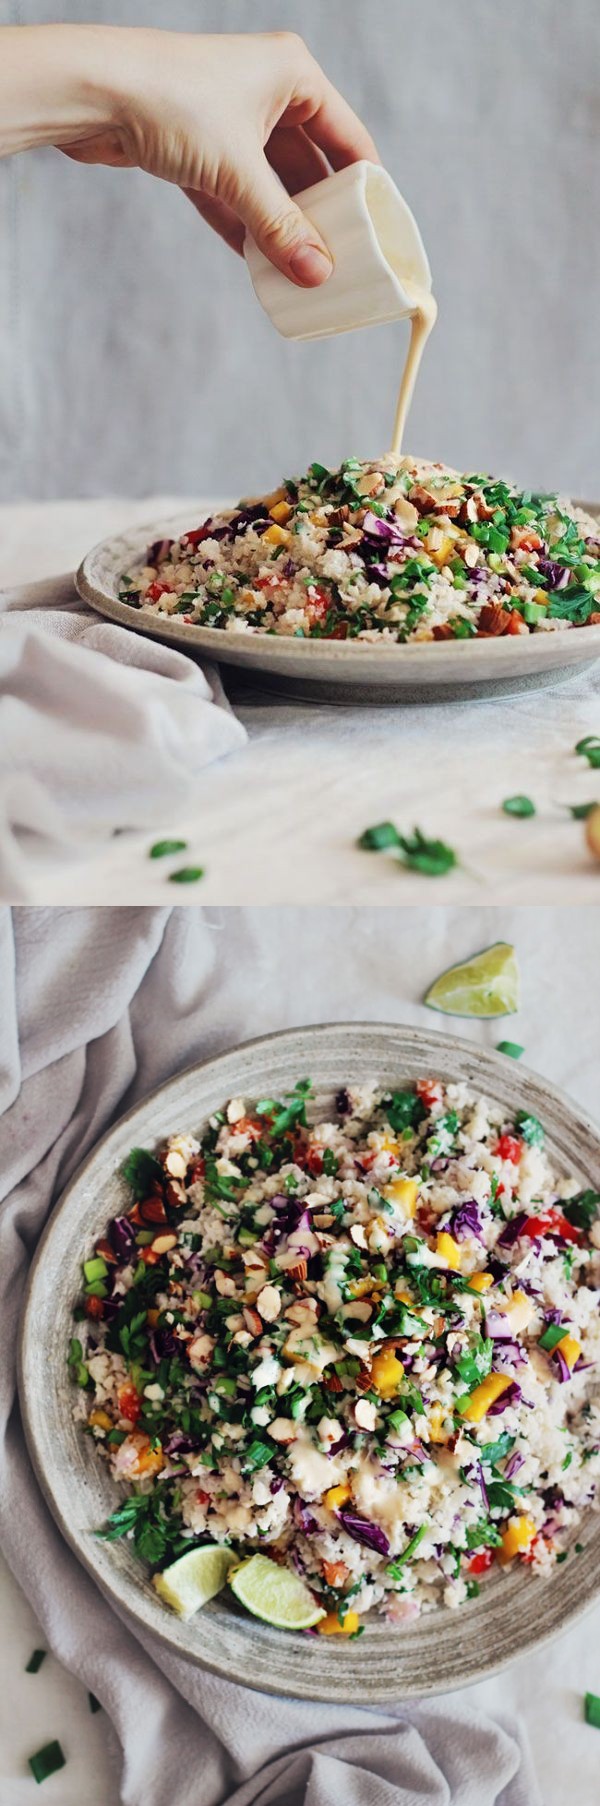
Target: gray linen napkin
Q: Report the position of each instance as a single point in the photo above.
(100, 729)
(99, 1006)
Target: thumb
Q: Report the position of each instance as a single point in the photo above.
(281, 231)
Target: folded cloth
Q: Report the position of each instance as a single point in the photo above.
(101, 1005)
(100, 729)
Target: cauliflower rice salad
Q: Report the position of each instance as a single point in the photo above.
(365, 1346)
(387, 549)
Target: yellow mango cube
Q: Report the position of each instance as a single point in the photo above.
(480, 1282)
(405, 1193)
(404, 1298)
(281, 513)
(277, 495)
(516, 1538)
(276, 536)
(570, 1350)
(449, 1250)
(100, 1420)
(386, 1372)
(484, 1395)
(330, 1626)
(443, 553)
(336, 1497)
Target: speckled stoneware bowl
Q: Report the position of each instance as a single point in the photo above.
(444, 1648)
(337, 670)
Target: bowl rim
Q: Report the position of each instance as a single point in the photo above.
(343, 1685)
(226, 647)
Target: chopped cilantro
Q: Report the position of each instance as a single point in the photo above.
(518, 805)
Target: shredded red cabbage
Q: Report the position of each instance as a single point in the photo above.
(364, 1532)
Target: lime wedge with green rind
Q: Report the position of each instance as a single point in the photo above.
(487, 985)
(194, 1578)
(277, 1595)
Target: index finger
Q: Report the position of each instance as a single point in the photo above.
(333, 125)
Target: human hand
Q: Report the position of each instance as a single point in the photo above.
(240, 123)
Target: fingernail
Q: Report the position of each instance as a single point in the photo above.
(310, 265)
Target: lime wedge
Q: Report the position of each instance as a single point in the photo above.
(487, 985)
(275, 1594)
(194, 1578)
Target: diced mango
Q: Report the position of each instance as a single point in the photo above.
(480, 1282)
(276, 536)
(277, 495)
(405, 1193)
(388, 1145)
(281, 513)
(516, 1538)
(330, 1626)
(361, 1288)
(150, 1461)
(386, 1372)
(541, 597)
(437, 1433)
(485, 1394)
(570, 1350)
(442, 553)
(404, 1298)
(336, 1497)
(449, 1249)
(100, 1420)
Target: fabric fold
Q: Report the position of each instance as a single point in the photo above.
(101, 729)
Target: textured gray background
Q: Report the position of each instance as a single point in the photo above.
(133, 356)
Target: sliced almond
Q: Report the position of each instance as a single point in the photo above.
(225, 1285)
(283, 1429)
(365, 1414)
(163, 1243)
(269, 1303)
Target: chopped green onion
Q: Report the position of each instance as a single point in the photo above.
(518, 805)
(46, 1761)
(552, 1335)
(35, 1661)
(162, 848)
(512, 1049)
(95, 1269)
(589, 747)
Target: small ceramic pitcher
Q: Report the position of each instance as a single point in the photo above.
(378, 258)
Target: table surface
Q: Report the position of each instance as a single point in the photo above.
(278, 821)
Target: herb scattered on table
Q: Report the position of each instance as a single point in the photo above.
(512, 1049)
(519, 805)
(430, 857)
(46, 1761)
(162, 848)
(35, 1661)
(589, 748)
(187, 874)
(592, 1710)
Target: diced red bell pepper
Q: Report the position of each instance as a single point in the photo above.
(318, 603)
(270, 582)
(551, 1223)
(314, 1162)
(130, 1403)
(156, 590)
(508, 1147)
(429, 1091)
(196, 535)
(481, 1561)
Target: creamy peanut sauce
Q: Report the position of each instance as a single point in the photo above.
(422, 319)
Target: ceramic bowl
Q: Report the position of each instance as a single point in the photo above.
(443, 1649)
(337, 671)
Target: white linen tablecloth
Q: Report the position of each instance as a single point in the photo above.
(84, 991)
(277, 821)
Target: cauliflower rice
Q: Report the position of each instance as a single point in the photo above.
(365, 1346)
(388, 549)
